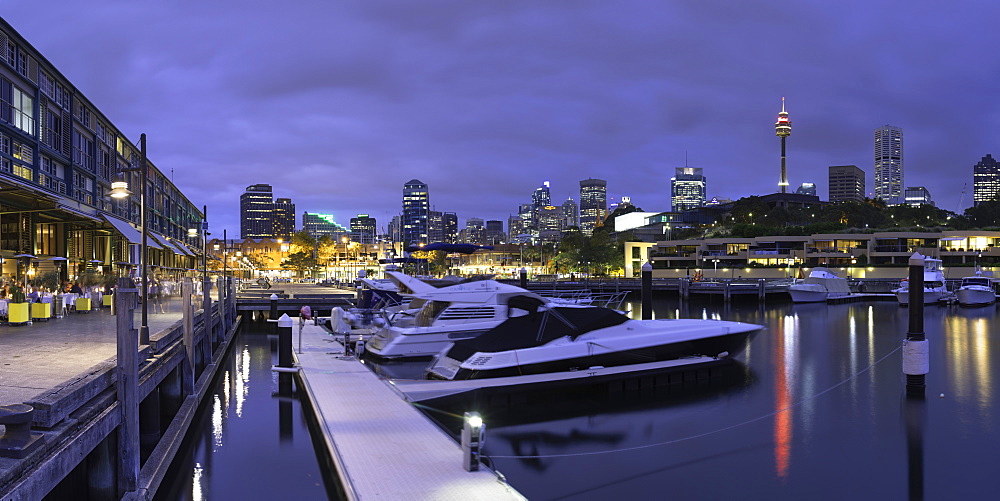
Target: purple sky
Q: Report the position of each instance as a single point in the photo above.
(338, 103)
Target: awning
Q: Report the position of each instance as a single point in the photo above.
(166, 245)
(129, 232)
(183, 248)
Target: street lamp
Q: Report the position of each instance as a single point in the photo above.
(119, 189)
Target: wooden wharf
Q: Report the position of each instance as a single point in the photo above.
(382, 446)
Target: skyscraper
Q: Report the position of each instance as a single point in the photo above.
(593, 204)
(570, 213)
(687, 189)
(256, 206)
(985, 181)
(283, 218)
(363, 229)
(541, 196)
(846, 182)
(889, 164)
(783, 129)
(416, 209)
(494, 232)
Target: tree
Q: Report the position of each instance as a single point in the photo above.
(300, 262)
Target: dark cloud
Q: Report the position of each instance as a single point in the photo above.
(337, 104)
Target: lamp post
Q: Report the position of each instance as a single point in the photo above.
(119, 189)
(225, 255)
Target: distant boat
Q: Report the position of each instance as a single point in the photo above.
(934, 286)
(820, 285)
(976, 291)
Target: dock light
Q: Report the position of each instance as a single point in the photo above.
(119, 189)
(472, 434)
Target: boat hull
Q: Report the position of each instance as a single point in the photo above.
(413, 343)
(931, 296)
(807, 295)
(968, 296)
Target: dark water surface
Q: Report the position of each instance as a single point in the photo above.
(246, 441)
(816, 410)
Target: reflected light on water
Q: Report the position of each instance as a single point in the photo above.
(197, 493)
(785, 370)
(217, 422)
(967, 344)
(242, 379)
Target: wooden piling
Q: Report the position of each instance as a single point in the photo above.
(127, 387)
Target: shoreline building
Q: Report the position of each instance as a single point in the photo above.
(985, 181)
(688, 189)
(846, 182)
(416, 213)
(593, 204)
(889, 164)
(783, 129)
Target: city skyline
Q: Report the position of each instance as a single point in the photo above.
(474, 99)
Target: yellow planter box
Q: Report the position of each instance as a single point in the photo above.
(41, 311)
(106, 299)
(82, 304)
(17, 313)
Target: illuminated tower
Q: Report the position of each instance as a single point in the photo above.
(783, 129)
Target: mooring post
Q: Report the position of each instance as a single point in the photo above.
(647, 291)
(187, 364)
(916, 359)
(128, 387)
(761, 290)
(273, 314)
(285, 354)
(524, 278)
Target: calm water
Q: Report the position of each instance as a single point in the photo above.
(246, 441)
(816, 410)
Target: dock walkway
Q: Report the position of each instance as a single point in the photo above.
(383, 447)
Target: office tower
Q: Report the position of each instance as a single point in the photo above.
(593, 204)
(516, 227)
(435, 226)
(283, 218)
(494, 233)
(363, 229)
(985, 181)
(449, 227)
(687, 189)
(550, 223)
(889, 164)
(256, 206)
(527, 214)
(806, 189)
(395, 229)
(783, 129)
(474, 229)
(846, 182)
(917, 196)
(416, 211)
(319, 225)
(570, 213)
(541, 197)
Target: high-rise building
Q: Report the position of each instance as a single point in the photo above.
(570, 213)
(416, 212)
(283, 218)
(449, 227)
(494, 233)
(889, 164)
(516, 227)
(783, 129)
(363, 229)
(687, 189)
(593, 204)
(256, 207)
(846, 182)
(474, 230)
(541, 196)
(806, 189)
(550, 223)
(319, 225)
(985, 181)
(917, 196)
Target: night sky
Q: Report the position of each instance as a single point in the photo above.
(338, 103)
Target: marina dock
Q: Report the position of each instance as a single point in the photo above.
(383, 447)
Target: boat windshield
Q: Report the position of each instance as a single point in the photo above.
(430, 311)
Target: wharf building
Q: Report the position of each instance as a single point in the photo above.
(688, 189)
(416, 213)
(986, 180)
(861, 252)
(846, 182)
(889, 164)
(593, 204)
(59, 155)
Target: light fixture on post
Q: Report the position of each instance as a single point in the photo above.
(119, 189)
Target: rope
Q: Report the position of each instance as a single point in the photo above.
(699, 435)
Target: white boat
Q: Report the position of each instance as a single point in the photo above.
(934, 285)
(820, 285)
(976, 290)
(562, 340)
(436, 316)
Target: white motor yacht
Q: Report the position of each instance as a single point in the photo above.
(560, 340)
(820, 285)
(934, 285)
(976, 290)
(436, 316)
